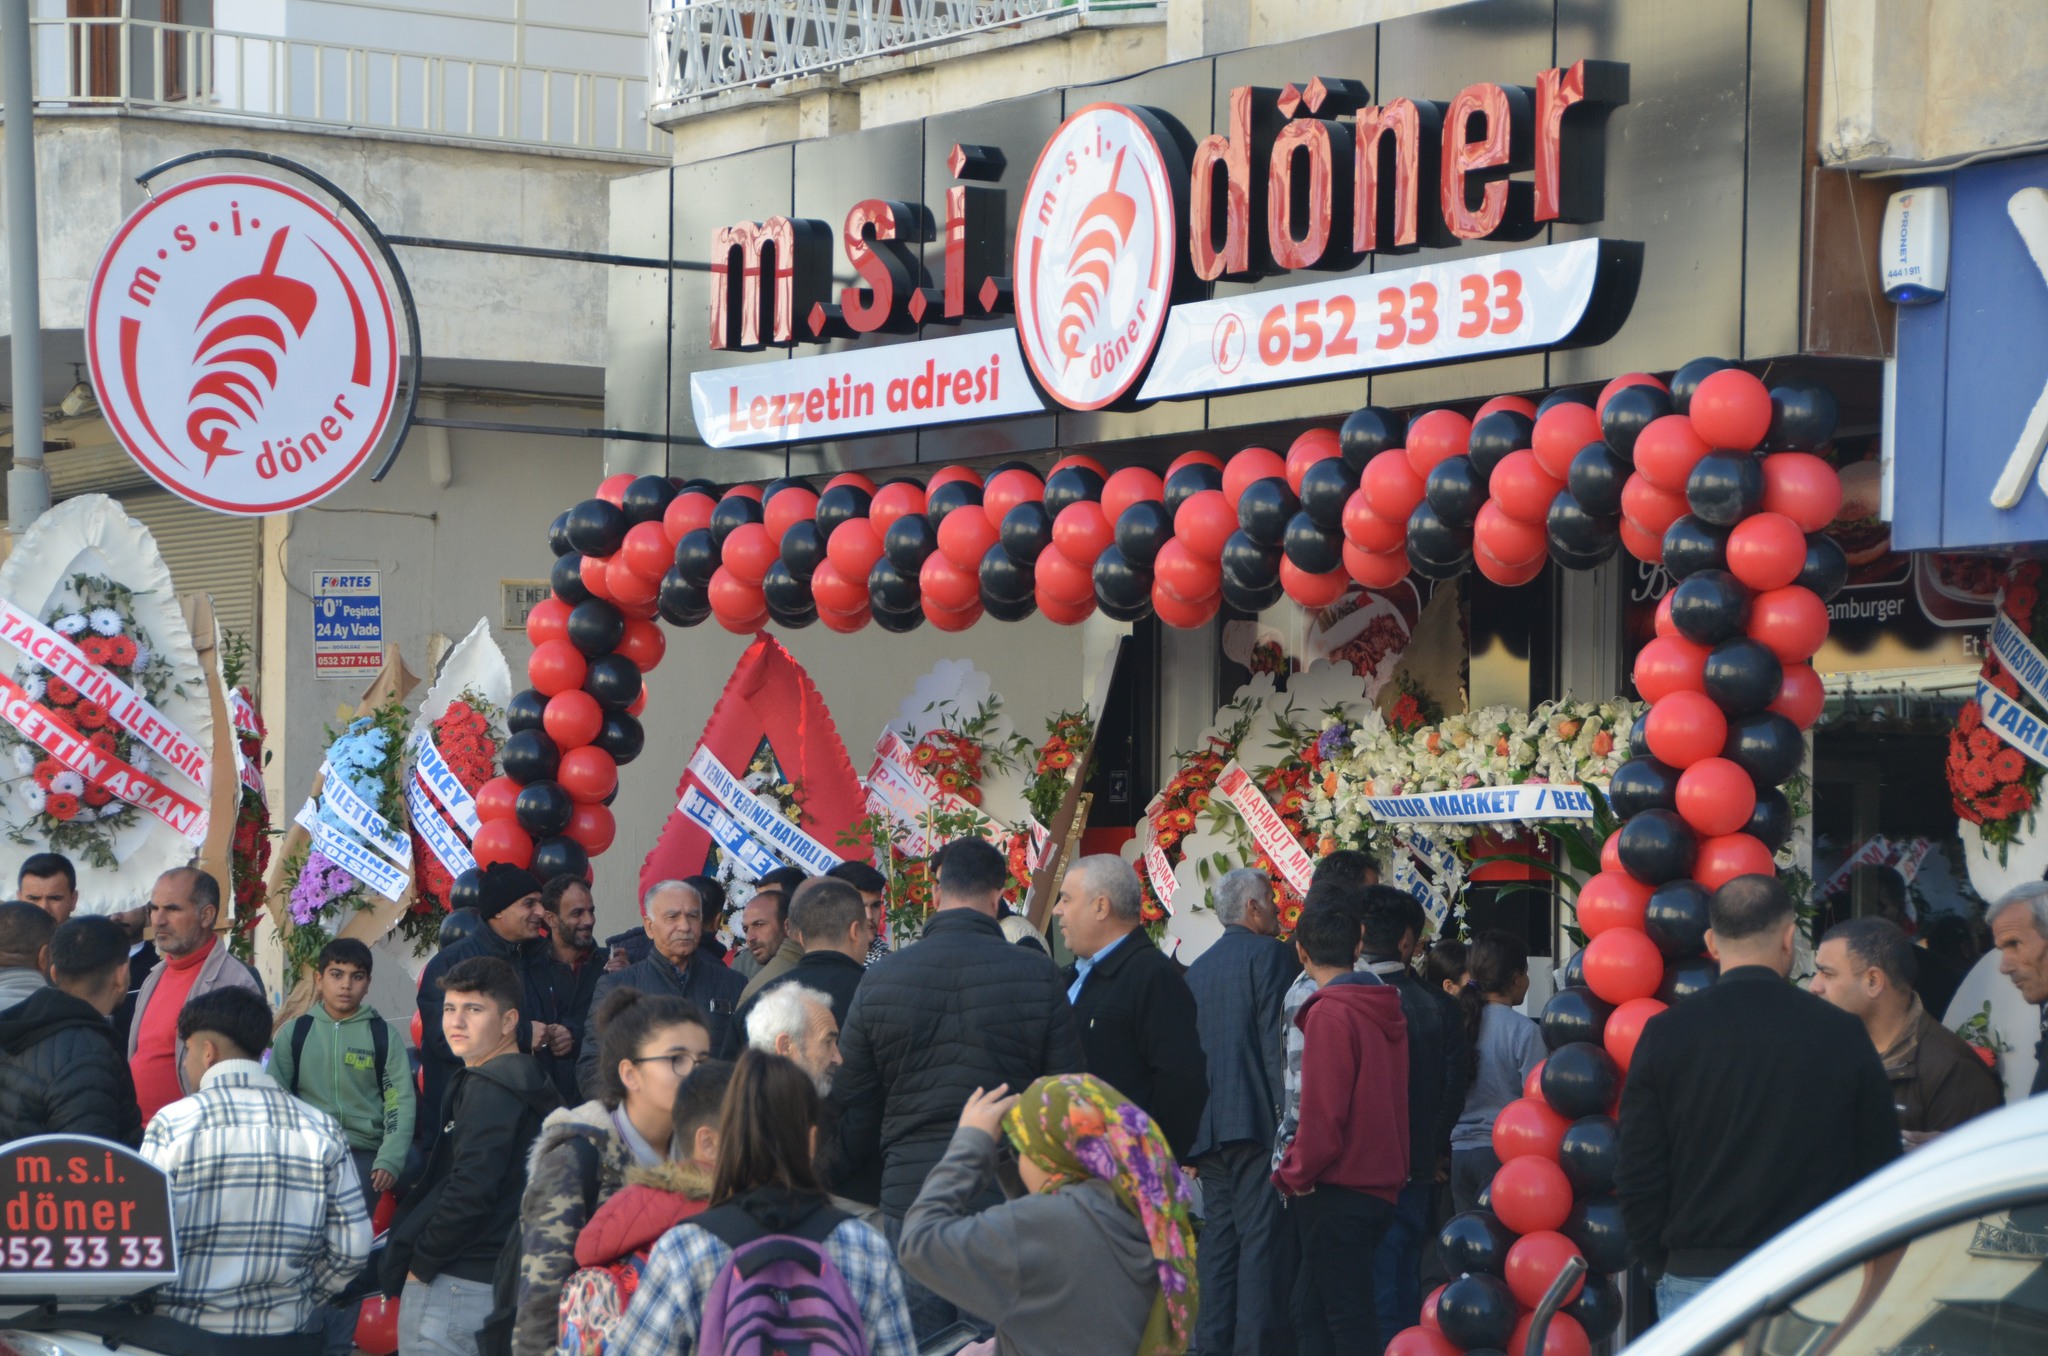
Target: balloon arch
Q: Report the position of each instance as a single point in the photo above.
(1713, 475)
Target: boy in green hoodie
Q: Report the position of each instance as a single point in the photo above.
(350, 1063)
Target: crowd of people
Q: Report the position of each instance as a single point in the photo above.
(665, 1145)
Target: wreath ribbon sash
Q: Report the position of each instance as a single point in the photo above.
(730, 836)
(351, 856)
(104, 770)
(437, 833)
(1269, 830)
(760, 818)
(431, 768)
(364, 818)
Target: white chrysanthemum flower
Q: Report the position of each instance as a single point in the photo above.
(139, 759)
(70, 624)
(142, 653)
(86, 815)
(67, 783)
(24, 760)
(106, 621)
(33, 687)
(35, 797)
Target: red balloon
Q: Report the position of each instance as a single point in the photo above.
(1392, 489)
(1686, 727)
(854, 478)
(748, 552)
(377, 1321)
(1791, 622)
(639, 703)
(1612, 899)
(1666, 628)
(1065, 581)
(1801, 696)
(555, 667)
(686, 513)
(1428, 1301)
(1534, 1263)
(1622, 964)
(1318, 444)
(1564, 1337)
(648, 551)
(738, 605)
(612, 489)
(835, 591)
(1647, 547)
(1731, 409)
(753, 492)
(1528, 1128)
(1668, 665)
(1508, 576)
(1715, 796)
(1766, 551)
(1375, 569)
(1368, 531)
(1312, 590)
(1666, 451)
(1437, 436)
(950, 619)
(1184, 616)
(592, 826)
(588, 774)
(644, 644)
(572, 719)
(1625, 1027)
(946, 475)
(853, 547)
(1007, 489)
(1518, 404)
(1724, 858)
(1077, 459)
(1420, 1341)
(498, 797)
(1511, 541)
(944, 583)
(791, 505)
(1253, 463)
(1082, 531)
(1802, 487)
(1132, 485)
(1561, 432)
(1196, 458)
(891, 502)
(1625, 380)
(501, 840)
(1522, 488)
(629, 587)
(1067, 614)
(1650, 507)
(1610, 853)
(1532, 1194)
(548, 620)
(964, 538)
(846, 623)
(596, 573)
(1532, 1085)
(1205, 521)
(1184, 576)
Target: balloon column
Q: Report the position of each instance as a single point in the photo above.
(1717, 478)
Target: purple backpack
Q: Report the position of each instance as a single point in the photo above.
(779, 1294)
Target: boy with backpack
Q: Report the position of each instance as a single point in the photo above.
(347, 1061)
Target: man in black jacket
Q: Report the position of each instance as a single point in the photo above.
(454, 1224)
(1134, 1010)
(674, 911)
(831, 923)
(960, 1009)
(62, 1071)
(1712, 1165)
(1438, 1056)
(562, 980)
(1246, 1257)
(512, 914)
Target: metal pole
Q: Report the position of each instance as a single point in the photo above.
(28, 481)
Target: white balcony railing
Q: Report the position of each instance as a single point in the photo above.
(703, 47)
(135, 63)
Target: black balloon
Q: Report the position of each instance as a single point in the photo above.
(733, 512)
(561, 856)
(1676, 919)
(597, 526)
(466, 891)
(1574, 973)
(1638, 739)
(803, 548)
(622, 735)
(1436, 542)
(1588, 1154)
(1143, 529)
(1629, 411)
(1595, 478)
(1642, 783)
(1476, 1311)
(1598, 1307)
(1311, 546)
(909, 542)
(949, 496)
(1003, 578)
(1684, 978)
(566, 578)
(1767, 746)
(899, 622)
(1710, 606)
(1603, 549)
(698, 556)
(777, 486)
(543, 808)
(840, 503)
(1264, 508)
(789, 598)
(614, 681)
(1071, 485)
(1687, 379)
(1454, 488)
(595, 627)
(891, 590)
(1437, 569)
(1595, 1227)
(529, 757)
(1191, 480)
(1742, 676)
(1250, 563)
(1725, 487)
(558, 534)
(1497, 434)
(1770, 823)
(1693, 544)
(699, 485)
(647, 498)
(1578, 533)
(1579, 1080)
(1803, 418)
(1574, 1015)
(1326, 487)
(1368, 432)
(1009, 609)
(1251, 598)
(1826, 568)
(1658, 846)
(683, 602)
(1474, 1242)
(1121, 587)
(524, 711)
(1570, 395)
(1026, 531)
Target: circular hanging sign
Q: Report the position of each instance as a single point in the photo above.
(1096, 244)
(242, 344)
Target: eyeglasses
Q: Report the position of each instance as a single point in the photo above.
(680, 1063)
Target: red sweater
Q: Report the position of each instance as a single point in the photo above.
(1354, 1092)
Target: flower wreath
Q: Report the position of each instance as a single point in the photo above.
(1992, 784)
(249, 854)
(466, 735)
(322, 893)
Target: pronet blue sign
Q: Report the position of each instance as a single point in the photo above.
(1970, 418)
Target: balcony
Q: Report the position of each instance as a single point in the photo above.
(136, 64)
(708, 47)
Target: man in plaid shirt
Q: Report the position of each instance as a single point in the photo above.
(269, 1213)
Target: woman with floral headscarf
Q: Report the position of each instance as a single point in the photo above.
(1097, 1256)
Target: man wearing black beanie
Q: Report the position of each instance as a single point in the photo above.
(512, 914)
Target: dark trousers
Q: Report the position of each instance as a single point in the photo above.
(1472, 1171)
(1397, 1266)
(1246, 1257)
(1338, 1230)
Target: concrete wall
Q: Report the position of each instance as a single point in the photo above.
(1908, 81)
